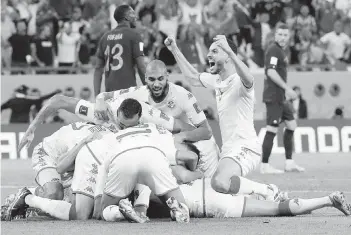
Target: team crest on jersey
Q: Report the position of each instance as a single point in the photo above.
(171, 104)
(151, 112)
(83, 110)
(161, 130)
(190, 95)
(124, 91)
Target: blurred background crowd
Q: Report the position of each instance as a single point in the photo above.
(60, 36)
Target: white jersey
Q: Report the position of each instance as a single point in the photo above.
(68, 136)
(235, 104)
(181, 104)
(203, 201)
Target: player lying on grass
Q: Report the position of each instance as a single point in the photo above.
(86, 111)
(90, 156)
(176, 102)
(203, 201)
(235, 96)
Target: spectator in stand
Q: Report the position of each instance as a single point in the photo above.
(33, 8)
(64, 8)
(20, 10)
(77, 20)
(42, 48)
(68, 47)
(90, 8)
(326, 15)
(192, 11)
(99, 25)
(274, 8)
(300, 105)
(20, 43)
(169, 14)
(191, 47)
(21, 104)
(160, 51)
(337, 44)
(305, 21)
(261, 31)
(8, 28)
(85, 93)
(46, 14)
(84, 47)
(146, 7)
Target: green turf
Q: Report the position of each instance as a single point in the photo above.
(325, 173)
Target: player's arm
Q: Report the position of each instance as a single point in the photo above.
(99, 67)
(188, 159)
(99, 189)
(192, 75)
(184, 176)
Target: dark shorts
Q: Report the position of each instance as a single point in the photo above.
(279, 112)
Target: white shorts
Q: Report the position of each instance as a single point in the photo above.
(85, 172)
(247, 159)
(209, 156)
(44, 166)
(203, 201)
(144, 165)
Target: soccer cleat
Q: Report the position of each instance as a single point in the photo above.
(179, 211)
(127, 210)
(339, 202)
(291, 166)
(265, 168)
(18, 206)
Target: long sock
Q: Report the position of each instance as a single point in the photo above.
(267, 146)
(55, 208)
(240, 185)
(112, 214)
(33, 190)
(288, 143)
(299, 206)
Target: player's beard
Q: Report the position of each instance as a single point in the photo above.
(217, 68)
(160, 97)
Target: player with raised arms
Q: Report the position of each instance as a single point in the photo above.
(118, 51)
(176, 102)
(234, 86)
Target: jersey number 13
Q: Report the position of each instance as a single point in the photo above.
(114, 59)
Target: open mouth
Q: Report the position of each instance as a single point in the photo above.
(212, 64)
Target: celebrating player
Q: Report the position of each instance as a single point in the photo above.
(176, 102)
(234, 87)
(278, 107)
(117, 53)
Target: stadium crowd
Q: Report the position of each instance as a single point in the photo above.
(64, 33)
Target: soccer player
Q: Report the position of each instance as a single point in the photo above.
(50, 153)
(278, 108)
(176, 102)
(119, 50)
(86, 110)
(234, 87)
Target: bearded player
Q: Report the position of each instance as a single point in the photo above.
(234, 86)
(279, 109)
(179, 103)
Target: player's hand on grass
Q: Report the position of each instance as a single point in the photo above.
(222, 42)
(170, 43)
(291, 94)
(26, 139)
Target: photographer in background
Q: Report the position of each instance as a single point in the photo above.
(67, 47)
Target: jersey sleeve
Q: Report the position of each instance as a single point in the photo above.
(137, 46)
(153, 115)
(272, 58)
(208, 80)
(85, 110)
(193, 110)
(138, 93)
(100, 57)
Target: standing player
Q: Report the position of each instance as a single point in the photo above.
(119, 50)
(234, 86)
(278, 108)
(176, 102)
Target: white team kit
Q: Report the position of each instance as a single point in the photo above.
(235, 104)
(47, 153)
(181, 104)
(115, 163)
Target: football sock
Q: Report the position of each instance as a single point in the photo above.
(267, 146)
(288, 143)
(299, 206)
(112, 214)
(55, 208)
(33, 190)
(240, 185)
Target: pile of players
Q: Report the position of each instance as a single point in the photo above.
(155, 143)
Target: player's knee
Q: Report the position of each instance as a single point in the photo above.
(53, 190)
(219, 184)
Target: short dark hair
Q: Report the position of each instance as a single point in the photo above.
(282, 26)
(121, 13)
(194, 149)
(130, 107)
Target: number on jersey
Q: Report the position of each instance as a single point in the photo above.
(114, 59)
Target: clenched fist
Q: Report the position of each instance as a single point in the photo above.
(170, 43)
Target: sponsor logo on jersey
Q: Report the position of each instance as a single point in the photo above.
(164, 116)
(197, 108)
(190, 95)
(171, 104)
(92, 180)
(83, 110)
(89, 189)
